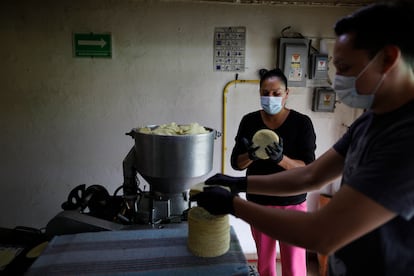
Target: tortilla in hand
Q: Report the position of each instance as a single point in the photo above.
(263, 138)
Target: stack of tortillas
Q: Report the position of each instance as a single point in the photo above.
(264, 138)
(208, 235)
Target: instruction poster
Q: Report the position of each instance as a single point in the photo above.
(229, 49)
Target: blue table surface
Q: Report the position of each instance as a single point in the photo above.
(135, 252)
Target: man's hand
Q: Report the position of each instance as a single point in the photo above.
(236, 184)
(251, 149)
(275, 151)
(216, 200)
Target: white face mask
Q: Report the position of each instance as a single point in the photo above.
(271, 105)
(344, 87)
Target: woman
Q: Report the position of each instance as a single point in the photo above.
(295, 149)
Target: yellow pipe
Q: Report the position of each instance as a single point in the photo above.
(223, 144)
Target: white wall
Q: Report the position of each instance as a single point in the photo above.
(64, 118)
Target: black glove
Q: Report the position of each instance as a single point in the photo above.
(275, 151)
(216, 200)
(236, 184)
(251, 149)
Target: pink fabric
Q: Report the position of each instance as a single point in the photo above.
(293, 259)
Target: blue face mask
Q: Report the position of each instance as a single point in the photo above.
(345, 88)
(271, 105)
(347, 93)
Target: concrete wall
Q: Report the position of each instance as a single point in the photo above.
(63, 119)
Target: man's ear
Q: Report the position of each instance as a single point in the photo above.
(391, 56)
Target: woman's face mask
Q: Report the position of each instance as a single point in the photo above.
(271, 105)
(345, 88)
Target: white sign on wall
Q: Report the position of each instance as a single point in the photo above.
(229, 49)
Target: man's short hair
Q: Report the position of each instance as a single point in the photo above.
(381, 24)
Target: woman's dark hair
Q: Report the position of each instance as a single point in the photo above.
(381, 24)
(266, 74)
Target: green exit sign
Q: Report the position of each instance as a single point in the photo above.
(92, 45)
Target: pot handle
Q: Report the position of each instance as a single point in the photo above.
(217, 134)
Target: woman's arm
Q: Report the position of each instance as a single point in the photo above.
(243, 161)
(315, 175)
(289, 163)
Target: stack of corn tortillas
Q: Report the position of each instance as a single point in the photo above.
(208, 235)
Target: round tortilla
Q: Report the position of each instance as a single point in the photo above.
(37, 250)
(198, 188)
(263, 138)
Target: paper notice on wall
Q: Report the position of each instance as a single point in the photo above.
(229, 49)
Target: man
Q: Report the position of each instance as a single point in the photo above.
(368, 226)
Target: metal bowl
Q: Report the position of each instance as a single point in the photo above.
(172, 163)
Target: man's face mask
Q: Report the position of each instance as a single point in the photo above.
(271, 105)
(344, 87)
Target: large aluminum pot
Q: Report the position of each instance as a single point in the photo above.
(172, 163)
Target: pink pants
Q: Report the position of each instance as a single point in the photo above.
(293, 259)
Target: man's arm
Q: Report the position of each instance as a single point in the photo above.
(348, 216)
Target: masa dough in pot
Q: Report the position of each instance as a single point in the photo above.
(264, 138)
(174, 129)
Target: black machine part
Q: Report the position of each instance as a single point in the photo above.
(75, 198)
(94, 200)
(130, 185)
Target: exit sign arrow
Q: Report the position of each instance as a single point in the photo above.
(92, 45)
(92, 42)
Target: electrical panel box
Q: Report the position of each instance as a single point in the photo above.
(293, 60)
(324, 99)
(319, 67)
